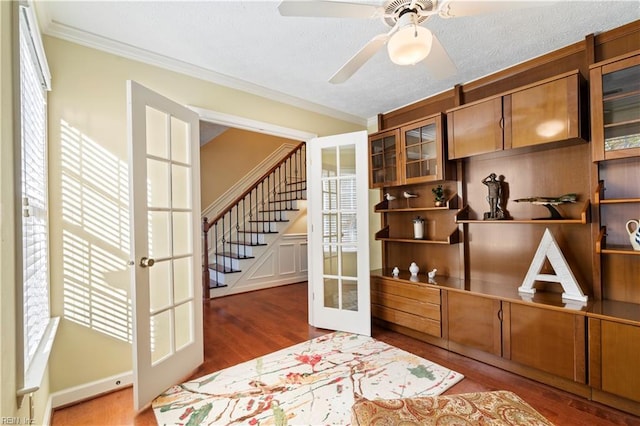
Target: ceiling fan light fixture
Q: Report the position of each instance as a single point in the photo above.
(410, 44)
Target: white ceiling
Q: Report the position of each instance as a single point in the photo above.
(248, 45)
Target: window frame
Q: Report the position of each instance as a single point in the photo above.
(31, 359)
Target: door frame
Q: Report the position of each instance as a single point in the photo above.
(269, 129)
(256, 126)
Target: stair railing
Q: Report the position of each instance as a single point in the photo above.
(251, 214)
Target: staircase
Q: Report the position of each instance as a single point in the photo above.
(234, 237)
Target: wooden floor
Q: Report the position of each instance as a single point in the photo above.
(241, 327)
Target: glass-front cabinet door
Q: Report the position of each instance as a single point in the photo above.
(615, 108)
(408, 154)
(422, 151)
(383, 159)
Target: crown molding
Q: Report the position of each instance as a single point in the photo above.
(94, 41)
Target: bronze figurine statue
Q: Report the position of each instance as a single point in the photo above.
(494, 198)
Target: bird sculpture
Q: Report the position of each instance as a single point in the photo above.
(549, 202)
(389, 198)
(432, 275)
(408, 196)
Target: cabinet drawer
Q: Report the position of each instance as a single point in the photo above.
(411, 306)
(414, 322)
(428, 310)
(404, 289)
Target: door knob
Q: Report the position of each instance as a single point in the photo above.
(147, 262)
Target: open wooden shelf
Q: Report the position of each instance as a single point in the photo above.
(383, 206)
(603, 248)
(599, 198)
(462, 216)
(383, 235)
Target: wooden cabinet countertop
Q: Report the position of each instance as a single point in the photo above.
(604, 309)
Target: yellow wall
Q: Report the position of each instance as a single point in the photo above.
(89, 176)
(229, 157)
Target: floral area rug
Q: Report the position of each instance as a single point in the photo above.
(312, 383)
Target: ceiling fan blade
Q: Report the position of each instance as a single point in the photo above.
(438, 61)
(329, 9)
(456, 8)
(359, 59)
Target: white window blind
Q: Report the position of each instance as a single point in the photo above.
(38, 327)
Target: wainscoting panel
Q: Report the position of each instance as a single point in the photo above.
(302, 255)
(287, 258)
(283, 262)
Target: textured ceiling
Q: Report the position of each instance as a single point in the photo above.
(248, 45)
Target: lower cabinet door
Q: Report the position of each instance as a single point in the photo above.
(474, 321)
(615, 358)
(548, 340)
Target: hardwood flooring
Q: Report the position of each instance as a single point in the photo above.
(241, 327)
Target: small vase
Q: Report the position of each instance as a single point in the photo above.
(395, 272)
(414, 269)
(633, 229)
(418, 228)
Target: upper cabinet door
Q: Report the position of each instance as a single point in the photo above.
(540, 113)
(409, 154)
(545, 113)
(383, 159)
(475, 129)
(615, 108)
(422, 151)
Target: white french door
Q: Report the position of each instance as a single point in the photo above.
(164, 155)
(338, 224)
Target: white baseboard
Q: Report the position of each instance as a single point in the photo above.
(90, 390)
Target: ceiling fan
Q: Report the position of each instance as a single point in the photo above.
(407, 41)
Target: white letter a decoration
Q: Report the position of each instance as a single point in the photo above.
(549, 249)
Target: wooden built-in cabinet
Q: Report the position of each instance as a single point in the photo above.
(615, 108)
(548, 111)
(475, 322)
(383, 158)
(545, 339)
(533, 138)
(549, 340)
(409, 154)
(614, 354)
(408, 304)
(476, 129)
(615, 124)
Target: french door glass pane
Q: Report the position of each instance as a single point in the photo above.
(182, 231)
(159, 234)
(158, 189)
(157, 138)
(182, 279)
(160, 285)
(180, 151)
(350, 295)
(160, 336)
(183, 328)
(347, 161)
(180, 187)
